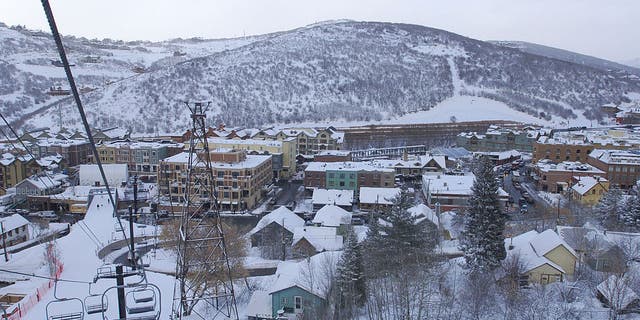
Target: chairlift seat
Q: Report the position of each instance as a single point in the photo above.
(67, 316)
(94, 304)
(140, 301)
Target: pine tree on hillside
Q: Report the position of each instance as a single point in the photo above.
(610, 208)
(482, 239)
(350, 280)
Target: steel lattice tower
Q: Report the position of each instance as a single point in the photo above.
(203, 287)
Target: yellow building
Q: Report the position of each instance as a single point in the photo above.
(14, 169)
(283, 153)
(240, 178)
(589, 190)
(308, 141)
(544, 257)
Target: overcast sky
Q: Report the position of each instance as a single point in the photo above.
(602, 28)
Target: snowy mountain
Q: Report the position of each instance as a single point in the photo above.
(339, 71)
(633, 62)
(569, 56)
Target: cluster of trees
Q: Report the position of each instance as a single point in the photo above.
(619, 211)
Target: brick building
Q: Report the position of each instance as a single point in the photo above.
(347, 175)
(557, 178)
(622, 168)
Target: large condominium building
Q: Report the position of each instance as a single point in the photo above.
(347, 175)
(622, 167)
(14, 169)
(448, 192)
(283, 152)
(239, 178)
(497, 139)
(308, 141)
(557, 178)
(74, 151)
(141, 158)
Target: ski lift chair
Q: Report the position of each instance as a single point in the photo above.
(95, 302)
(142, 301)
(64, 308)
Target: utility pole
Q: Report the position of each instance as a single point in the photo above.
(4, 241)
(133, 213)
(122, 304)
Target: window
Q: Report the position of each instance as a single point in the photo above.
(298, 302)
(283, 301)
(342, 183)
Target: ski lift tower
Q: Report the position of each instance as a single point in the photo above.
(203, 288)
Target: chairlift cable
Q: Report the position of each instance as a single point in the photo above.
(76, 95)
(44, 277)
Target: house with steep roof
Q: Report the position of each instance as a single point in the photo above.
(617, 293)
(333, 216)
(15, 230)
(545, 257)
(589, 190)
(309, 240)
(275, 232)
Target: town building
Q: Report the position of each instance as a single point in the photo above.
(451, 192)
(15, 230)
(347, 175)
(239, 178)
(558, 178)
(411, 167)
(497, 139)
(333, 156)
(74, 151)
(588, 190)
(282, 152)
(40, 185)
(340, 198)
(576, 145)
(622, 168)
(377, 199)
(333, 216)
(308, 141)
(141, 157)
(310, 240)
(116, 174)
(14, 169)
(545, 257)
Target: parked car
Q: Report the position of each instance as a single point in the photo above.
(357, 221)
(46, 215)
(524, 208)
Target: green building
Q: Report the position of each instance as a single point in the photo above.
(342, 180)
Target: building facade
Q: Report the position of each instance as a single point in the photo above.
(347, 175)
(622, 168)
(239, 178)
(558, 178)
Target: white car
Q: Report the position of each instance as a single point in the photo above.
(47, 215)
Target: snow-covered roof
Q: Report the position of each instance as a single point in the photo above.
(549, 240)
(235, 143)
(449, 224)
(334, 153)
(332, 196)
(251, 161)
(44, 182)
(546, 165)
(372, 195)
(452, 185)
(423, 212)
(259, 305)
(617, 290)
(616, 156)
(532, 246)
(13, 221)
(281, 216)
(321, 238)
(346, 166)
(586, 183)
(310, 274)
(332, 216)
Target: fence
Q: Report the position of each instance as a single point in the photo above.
(27, 303)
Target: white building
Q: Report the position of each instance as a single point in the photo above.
(15, 230)
(116, 174)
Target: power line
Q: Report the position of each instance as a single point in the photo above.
(43, 277)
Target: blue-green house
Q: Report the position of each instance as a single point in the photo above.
(342, 179)
(296, 300)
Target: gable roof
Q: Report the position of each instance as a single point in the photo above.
(282, 216)
(532, 246)
(299, 274)
(618, 289)
(422, 212)
(332, 216)
(321, 238)
(13, 221)
(586, 183)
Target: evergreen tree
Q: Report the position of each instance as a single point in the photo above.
(350, 280)
(610, 208)
(404, 241)
(631, 215)
(482, 239)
